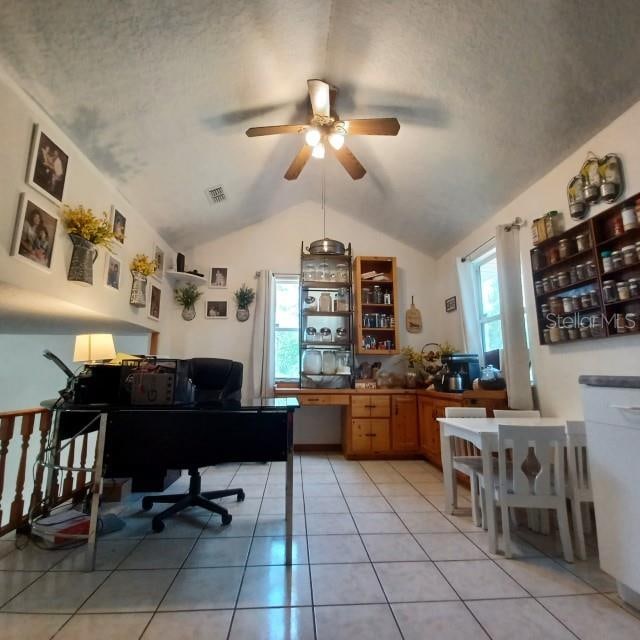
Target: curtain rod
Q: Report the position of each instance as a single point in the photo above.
(517, 223)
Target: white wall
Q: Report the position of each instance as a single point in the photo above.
(557, 367)
(84, 185)
(275, 244)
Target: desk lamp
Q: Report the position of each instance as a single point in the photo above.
(91, 348)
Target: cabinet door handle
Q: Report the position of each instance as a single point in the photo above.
(369, 406)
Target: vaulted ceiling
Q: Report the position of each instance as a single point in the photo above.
(489, 93)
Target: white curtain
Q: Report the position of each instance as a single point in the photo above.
(262, 348)
(514, 339)
(469, 308)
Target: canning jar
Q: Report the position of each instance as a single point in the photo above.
(591, 270)
(582, 242)
(623, 290)
(629, 219)
(309, 271)
(554, 334)
(573, 274)
(342, 272)
(581, 272)
(616, 259)
(607, 262)
(387, 298)
(593, 295)
(377, 294)
(609, 291)
(554, 281)
(585, 332)
(555, 304)
(564, 249)
(618, 226)
(585, 300)
(367, 297)
(575, 301)
(563, 279)
(629, 254)
(546, 285)
(547, 336)
(537, 261)
(553, 255)
(633, 322)
(620, 323)
(545, 309)
(574, 333)
(634, 287)
(567, 304)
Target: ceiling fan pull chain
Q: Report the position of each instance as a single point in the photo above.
(324, 212)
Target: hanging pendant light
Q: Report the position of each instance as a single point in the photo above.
(318, 151)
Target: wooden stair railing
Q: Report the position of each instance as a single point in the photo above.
(14, 508)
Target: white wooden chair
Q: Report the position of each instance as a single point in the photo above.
(540, 487)
(515, 413)
(579, 485)
(467, 459)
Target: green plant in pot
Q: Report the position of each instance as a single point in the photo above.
(187, 297)
(87, 232)
(244, 296)
(142, 266)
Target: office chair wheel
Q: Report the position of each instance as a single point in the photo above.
(157, 525)
(226, 519)
(147, 503)
(241, 496)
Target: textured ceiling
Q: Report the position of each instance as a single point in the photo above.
(489, 94)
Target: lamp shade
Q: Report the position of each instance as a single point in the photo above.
(94, 346)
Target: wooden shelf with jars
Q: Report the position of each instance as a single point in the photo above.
(587, 279)
(376, 305)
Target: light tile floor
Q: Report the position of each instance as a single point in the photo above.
(374, 557)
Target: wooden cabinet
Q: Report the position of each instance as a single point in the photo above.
(404, 424)
(369, 436)
(373, 406)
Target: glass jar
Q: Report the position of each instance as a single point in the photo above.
(554, 281)
(633, 322)
(328, 362)
(607, 261)
(342, 272)
(564, 248)
(574, 333)
(343, 363)
(575, 303)
(634, 287)
(616, 259)
(341, 301)
(537, 261)
(555, 305)
(573, 274)
(564, 334)
(545, 309)
(554, 334)
(567, 304)
(592, 272)
(377, 294)
(581, 272)
(547, 336)
(323, 271)
(553, 255)
(629, 219)
(387, 297)
(597, 325)
(546, 285)
(342, 334)
(582, 242)
(609, 291)
(585, 332)
(585, 300)
(326, 334)
(629, 255)
(367, 296)
(620, 323)
(623, 290)
(312, 362)
(325, 303)
(563, 279)
(618, 226)
(309, 273)
(594, 299)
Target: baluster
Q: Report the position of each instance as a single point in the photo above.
(6, 433)
(82, 475)
(67, 485)
(17, 506)
(36, 495)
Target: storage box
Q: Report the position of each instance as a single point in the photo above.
(116, 489)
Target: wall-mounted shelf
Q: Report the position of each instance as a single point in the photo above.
(180, 277)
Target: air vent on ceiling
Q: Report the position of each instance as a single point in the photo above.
(216, 194)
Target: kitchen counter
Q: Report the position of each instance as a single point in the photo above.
(621, 382)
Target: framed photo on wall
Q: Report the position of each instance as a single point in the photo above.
(154, 302)
(158, 256)
(113, 270)
(35, 234)
(119, 224)
(450, 304)
(215, 309)
(218, 277)
(48, 163)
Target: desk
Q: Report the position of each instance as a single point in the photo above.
(483, 433)
(131, 438)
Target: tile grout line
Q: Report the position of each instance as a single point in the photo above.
(306, 539)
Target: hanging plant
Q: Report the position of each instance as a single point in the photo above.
(244, 296)
(187, 297)
(86, 232)
(142, 266)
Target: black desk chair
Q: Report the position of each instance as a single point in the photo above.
(216, 380)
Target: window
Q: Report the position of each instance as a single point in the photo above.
(286, 328)
(488, 292)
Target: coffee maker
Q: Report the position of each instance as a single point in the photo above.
(463, 369)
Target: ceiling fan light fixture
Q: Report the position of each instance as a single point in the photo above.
(318, 151)
(312, 137)
(336, 140)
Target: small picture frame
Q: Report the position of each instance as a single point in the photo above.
(155, 295)
(113, 269)
(450, 304)
(118, 225)
(48, 164)
(158, 256)
(216, 309)
(218, 277)
(34, 235)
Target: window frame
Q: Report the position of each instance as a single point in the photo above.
(481, 260)
(291, 278)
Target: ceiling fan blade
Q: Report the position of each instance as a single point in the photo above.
(298, 163)
(349, 162)
(372, 127)
(280, 128)
(319, 96)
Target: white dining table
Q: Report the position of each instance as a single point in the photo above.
(483, 434)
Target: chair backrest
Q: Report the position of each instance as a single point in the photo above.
(465, 412)
(536, 457)
(216, 379)
(514, 413)
(577, 460)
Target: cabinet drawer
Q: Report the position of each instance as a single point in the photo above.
(323, 399)
(370, 406)
(360, 406)
(380, 406)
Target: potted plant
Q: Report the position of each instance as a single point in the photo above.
(244, 296)
(142, 266)
(187, 297)
(87, 232)
(415, 362)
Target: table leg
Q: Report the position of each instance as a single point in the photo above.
(96, 488)
(289, 491)
(489, 504)
(449, 474)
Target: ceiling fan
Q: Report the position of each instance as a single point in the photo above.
(325, 127)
